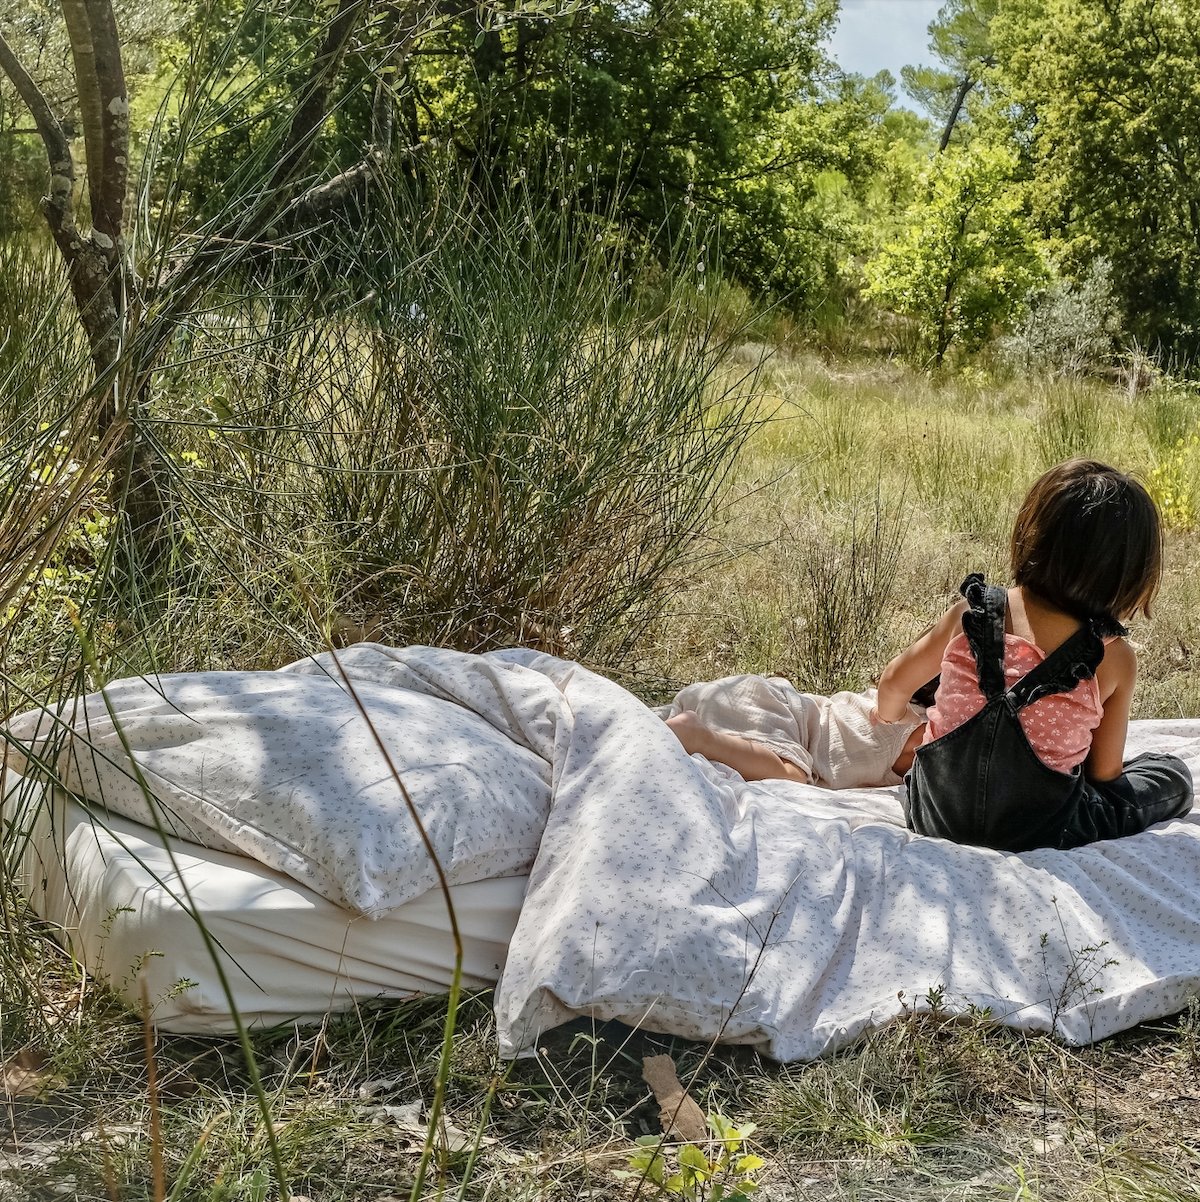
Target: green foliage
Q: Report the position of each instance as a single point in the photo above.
(960, 39)
(884, 149)
(22, 167)
(966, 259)
(725, 111)
(1071, 327)
(908, 145)
(1104, 99)
(717, 1172)
(709, 105)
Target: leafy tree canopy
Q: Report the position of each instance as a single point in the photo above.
(1103, 97)
(965, 259)
(960, 39)
(726, 109)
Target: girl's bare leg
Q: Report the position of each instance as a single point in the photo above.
(752, 761)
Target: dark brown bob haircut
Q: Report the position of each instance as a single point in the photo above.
(1088, 540)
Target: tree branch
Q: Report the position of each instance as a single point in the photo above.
(321, 199)
(91, 108)
(57, 204)
(965, 85)
(312, 108)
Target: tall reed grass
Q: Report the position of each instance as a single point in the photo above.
(441, 417)
(478, 442)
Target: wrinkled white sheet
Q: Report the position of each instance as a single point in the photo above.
(667, 892)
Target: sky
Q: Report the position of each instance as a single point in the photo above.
(877, 34)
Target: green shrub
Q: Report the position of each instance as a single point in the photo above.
(965, 258)
(1071, 328)
(471, 434)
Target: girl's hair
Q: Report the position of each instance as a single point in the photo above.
(1088, 540)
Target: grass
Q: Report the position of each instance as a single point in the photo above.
(926, 1108)
(864, 496)
(871, 491)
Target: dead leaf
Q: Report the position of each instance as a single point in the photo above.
(449, 1137)
(370, 1089)
(454, 1139)
(406, 1117)
(679, 1114)
(25, 1076)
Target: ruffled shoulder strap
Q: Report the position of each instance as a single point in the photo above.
(983, 624)
(1071, 662)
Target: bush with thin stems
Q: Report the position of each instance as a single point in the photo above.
(474, 439)
(471, 438)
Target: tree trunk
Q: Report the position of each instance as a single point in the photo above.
(109, 303)
(960, 98)
(94, 262)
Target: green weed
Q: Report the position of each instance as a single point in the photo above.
(722, 1171)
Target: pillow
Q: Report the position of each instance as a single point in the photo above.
(285, 768)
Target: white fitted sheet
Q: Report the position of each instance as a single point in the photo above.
(116, 892)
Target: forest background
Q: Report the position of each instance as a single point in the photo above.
(639, 332)
(705, 165)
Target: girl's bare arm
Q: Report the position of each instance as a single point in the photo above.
(915, 666)
(1115, 678)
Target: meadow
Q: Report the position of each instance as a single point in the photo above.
(871, 490)
(864, 491)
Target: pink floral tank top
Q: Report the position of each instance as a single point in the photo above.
(1059, 727)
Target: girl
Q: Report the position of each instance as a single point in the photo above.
(1025, 737)
(1024, 740)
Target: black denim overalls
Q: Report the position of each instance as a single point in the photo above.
(982, 783)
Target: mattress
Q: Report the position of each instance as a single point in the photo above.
(126, 901)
